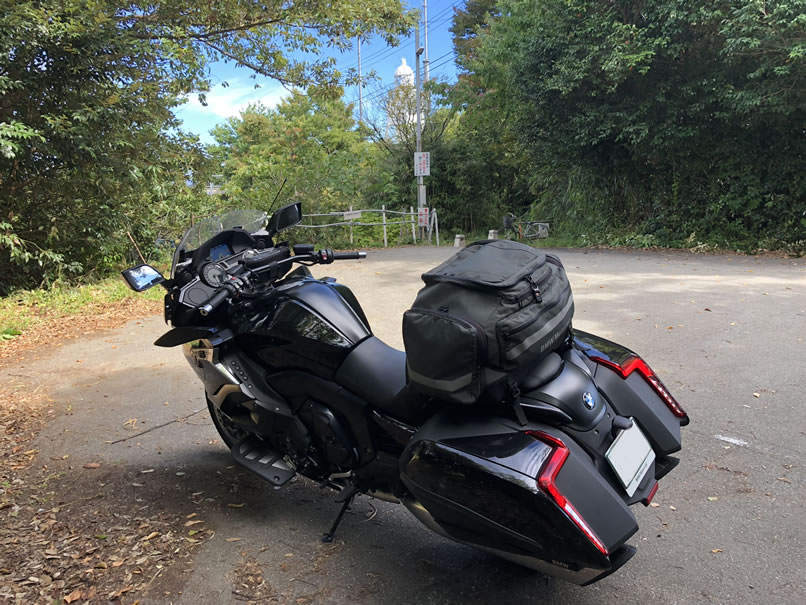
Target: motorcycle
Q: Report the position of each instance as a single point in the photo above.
(296, 383)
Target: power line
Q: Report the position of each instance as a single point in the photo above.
(381, 92)
(384, 53)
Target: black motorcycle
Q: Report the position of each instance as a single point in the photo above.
(297, 383)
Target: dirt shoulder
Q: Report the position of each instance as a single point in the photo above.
(69, 532)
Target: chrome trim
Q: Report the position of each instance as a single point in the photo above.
(224, 392)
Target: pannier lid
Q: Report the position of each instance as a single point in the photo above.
(489, 263)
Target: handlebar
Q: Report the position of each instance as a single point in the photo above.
(349, 255)
(324, 257)
(216, 300)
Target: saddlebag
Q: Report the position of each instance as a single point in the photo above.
(494, 308)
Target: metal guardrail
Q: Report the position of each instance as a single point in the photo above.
(349, 219)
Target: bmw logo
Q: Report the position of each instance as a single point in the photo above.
(588, 400)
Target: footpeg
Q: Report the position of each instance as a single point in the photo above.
(260, 458)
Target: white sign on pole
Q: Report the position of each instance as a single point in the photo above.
(422, 217)
(422, 163)
(352, 214)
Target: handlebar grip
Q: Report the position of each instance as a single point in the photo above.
(215, 301)
(349, 255)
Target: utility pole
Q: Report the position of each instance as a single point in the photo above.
(360, 86)
(426, 62)
(421, 202)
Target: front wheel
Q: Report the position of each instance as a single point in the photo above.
(230, 432)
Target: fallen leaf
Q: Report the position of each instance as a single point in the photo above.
(148, 470)
(181, 474)
(194, 522)
(784, 479)
(707, 309)
(716, 550)
(713, 498)
(191, 515)
(92, 465)
(117, 563)
(672, 507)
(193, 532)
(137, 484)
(235, 505)
(756, 395)
(233, 539)
(654, 505)
(73, 596)
(100, 536)
(153, 534)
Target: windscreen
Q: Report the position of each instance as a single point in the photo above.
(249, 220)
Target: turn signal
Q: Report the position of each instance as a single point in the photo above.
(545, 480)
(636, 364)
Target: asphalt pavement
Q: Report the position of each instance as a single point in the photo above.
(727, 334)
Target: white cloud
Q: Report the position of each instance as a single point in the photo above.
(230, 101)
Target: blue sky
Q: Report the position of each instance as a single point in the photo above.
(224, 102)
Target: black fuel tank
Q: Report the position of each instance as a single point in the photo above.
(302, 324)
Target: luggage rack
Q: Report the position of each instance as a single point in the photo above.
(520, 228)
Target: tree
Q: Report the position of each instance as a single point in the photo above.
(87, 93)
(678, 119)
(307, 141)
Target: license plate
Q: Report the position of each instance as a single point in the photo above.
(630, 455)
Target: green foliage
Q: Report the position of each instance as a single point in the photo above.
(308, 142)
(673, 119)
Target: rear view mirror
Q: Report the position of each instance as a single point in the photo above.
(285, 217)
(142, 277)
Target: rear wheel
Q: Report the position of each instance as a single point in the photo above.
(230, 432)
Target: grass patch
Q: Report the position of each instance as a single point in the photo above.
(25, 309)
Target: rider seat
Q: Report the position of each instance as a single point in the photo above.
(376, 372)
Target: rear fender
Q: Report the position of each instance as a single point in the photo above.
(632, 397)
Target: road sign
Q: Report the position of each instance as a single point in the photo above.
(422, 217)
(422, 163)
(352, 215)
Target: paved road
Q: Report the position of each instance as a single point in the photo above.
(727, 334)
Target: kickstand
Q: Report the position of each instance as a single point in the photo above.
(346, 497)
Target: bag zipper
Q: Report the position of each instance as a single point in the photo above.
(535, 289)
(529, 292)
(507, 334)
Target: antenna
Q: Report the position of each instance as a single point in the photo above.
(276, 196)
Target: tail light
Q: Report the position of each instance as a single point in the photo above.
(545, 480)
(636, 364)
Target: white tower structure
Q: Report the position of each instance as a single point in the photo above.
(401, 113)
(404, 75)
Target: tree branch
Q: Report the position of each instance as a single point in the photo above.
(253, 66)
(210, 34)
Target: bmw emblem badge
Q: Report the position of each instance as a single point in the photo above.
(588, 400)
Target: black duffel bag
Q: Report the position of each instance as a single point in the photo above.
(490, 312)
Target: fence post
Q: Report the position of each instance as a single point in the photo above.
(383, 210)
(351, 227)
(413, 220)
(436, 225)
